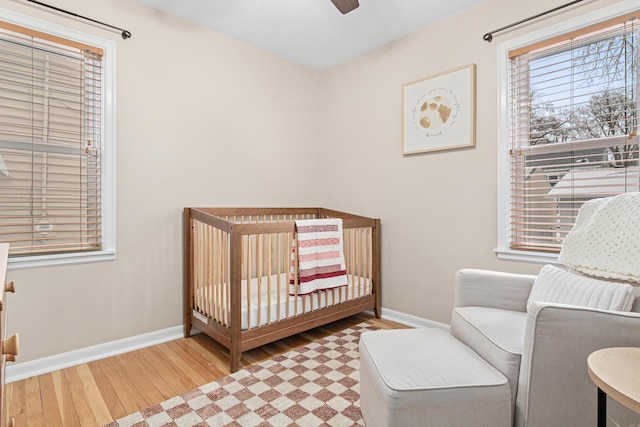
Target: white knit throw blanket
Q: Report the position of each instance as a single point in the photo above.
(605, 240)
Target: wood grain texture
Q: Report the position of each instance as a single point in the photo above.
(95, 393)
(616, 371)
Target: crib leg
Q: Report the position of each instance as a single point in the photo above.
(187, 327)
(236, 355)
(376, 311)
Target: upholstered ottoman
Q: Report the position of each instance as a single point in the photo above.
(425, 377)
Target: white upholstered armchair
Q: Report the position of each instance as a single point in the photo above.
(539, 330)
(543, 352)
(518, 348)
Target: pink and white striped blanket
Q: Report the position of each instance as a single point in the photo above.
(320, 255)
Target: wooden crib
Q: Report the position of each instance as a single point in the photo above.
(236, 275)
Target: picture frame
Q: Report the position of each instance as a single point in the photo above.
(438, 112)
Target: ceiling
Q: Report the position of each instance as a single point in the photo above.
(314, 33)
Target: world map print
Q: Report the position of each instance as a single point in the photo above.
(438, 111)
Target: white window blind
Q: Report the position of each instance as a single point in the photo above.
(572, 128)
(50, 143)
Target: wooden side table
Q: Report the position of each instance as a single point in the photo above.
(616, 372)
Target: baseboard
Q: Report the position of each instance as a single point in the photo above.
(32, 368)
(410, 320)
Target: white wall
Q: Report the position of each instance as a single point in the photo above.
(202, 120)
(438, 210)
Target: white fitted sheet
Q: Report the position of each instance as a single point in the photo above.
(265, 306)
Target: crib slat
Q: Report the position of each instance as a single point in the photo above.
(269, 273)
(295, 277)
(360, 261)
(215, 272)
(196, 263)
(203, 269)
(212, 271)
(204, 286)
(207, 269)
(343, 293)
(259, 275)
(227, 278)
(287, 268)
(279, 238)
(353, 241)
(370, 262)
(249, 263)
(219, 279)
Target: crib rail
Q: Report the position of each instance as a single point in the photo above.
(237, 269)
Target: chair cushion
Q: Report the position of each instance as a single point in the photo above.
(555, 285)
(496, 335)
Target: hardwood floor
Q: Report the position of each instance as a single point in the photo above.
(95, 393)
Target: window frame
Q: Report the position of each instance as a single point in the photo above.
(108, 155)
(503, 251)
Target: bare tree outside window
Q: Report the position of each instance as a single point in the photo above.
(595, 98)
(573, 130)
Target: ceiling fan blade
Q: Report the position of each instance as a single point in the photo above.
(345, 6)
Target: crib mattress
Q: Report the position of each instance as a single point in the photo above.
(268, 299)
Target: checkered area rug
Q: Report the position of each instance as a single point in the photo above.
(314, 385)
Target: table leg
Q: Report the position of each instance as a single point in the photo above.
(602, 408)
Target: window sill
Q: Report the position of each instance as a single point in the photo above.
(18, 263)
(526, 256)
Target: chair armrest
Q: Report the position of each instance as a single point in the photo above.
(485, 288)
(554, 387)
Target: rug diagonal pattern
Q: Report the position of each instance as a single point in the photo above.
(314, 385)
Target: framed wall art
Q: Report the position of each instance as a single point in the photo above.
(438, 112)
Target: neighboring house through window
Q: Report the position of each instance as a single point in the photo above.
(56, 144)
(568, 127)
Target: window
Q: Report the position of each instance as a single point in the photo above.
(571, 130)
(56, 167)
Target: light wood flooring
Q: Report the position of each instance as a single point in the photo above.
(95, 393)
